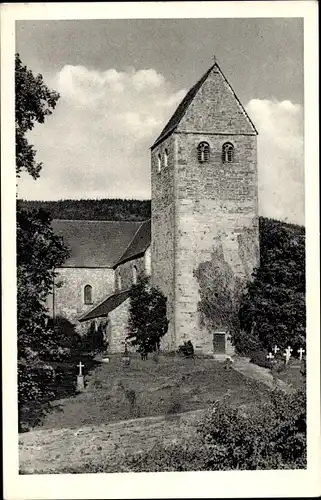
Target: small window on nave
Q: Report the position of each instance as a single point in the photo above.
(159, 163)
(165, 158)
(227, 152)
(88, 294)
(203, 152)
(119, 283)
(134, 275)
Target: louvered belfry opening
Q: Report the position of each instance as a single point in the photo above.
(203, 152)
(227, 152)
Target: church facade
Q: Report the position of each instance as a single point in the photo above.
(204, 213)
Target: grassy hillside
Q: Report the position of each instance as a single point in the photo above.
(106, 209)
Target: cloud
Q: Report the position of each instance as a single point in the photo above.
(280, 158)
(96, 143)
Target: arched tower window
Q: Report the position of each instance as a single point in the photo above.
(203, 152)
(88, 294)
(165, 158)
(159, 163)
(227, 152)
(134, 275)
(119, 281)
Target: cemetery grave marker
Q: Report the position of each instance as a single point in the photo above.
(301, 352)
(80, 377)
(287, 354)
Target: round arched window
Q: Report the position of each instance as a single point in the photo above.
(88, 294)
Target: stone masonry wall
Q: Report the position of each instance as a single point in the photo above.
(69, 292)
(163, 231)
(216, 205)
(117, 327)
(126, 273)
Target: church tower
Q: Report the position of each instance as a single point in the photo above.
(204, 208)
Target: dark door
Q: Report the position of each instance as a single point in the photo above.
(219, 343)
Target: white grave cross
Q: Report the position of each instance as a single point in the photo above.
(80, 366)
(276, 349)
(301, 351)
(287, 354)
(270, 356)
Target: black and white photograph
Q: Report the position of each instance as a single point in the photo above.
(162, 200)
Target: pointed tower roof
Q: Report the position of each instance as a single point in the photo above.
(182, 108)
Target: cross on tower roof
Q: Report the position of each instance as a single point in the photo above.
(214, 58)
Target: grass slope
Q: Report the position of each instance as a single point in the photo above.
(95, 428)
(149, 388)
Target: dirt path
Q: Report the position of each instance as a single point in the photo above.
(259, 373)
(55, 451)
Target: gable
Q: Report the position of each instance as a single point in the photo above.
(210, 106)
(215, 108)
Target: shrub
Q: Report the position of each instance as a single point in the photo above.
(245, 342)
(271, 435)
(94, 340)
(187, 349)
(35, 391)
(259, 358)
(268, 436)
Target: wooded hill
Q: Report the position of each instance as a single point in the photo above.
(105, 209)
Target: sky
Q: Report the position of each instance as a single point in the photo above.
(120, 81)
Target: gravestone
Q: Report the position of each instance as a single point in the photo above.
(80, 377)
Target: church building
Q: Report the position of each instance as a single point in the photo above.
(204, 212)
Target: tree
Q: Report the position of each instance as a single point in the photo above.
(39, 252)
(273, 309)
(34, 101)
(147, 316)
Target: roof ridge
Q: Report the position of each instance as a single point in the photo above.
(102, 220)
(187, 99)
(238, 100)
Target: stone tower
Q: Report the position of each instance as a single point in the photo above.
(204, 211)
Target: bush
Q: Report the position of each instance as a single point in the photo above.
(35, 391)
(245, 342)
(94, 340)
(267, 436)
(259, 358)
(187, 349)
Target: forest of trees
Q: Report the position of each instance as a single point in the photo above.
(105, 209)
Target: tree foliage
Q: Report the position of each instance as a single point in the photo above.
(39, 252)
(34, 102)
(104, 209)
(273, 309)
(147, 316)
